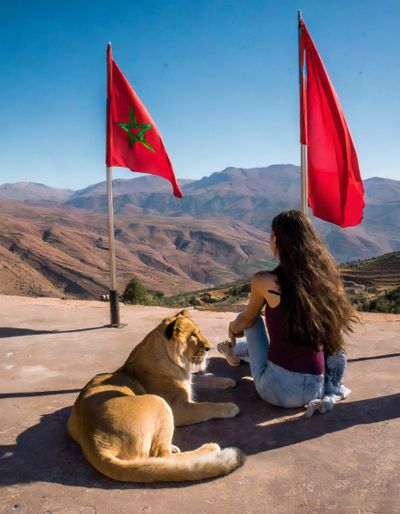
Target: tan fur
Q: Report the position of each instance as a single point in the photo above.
(124, 421)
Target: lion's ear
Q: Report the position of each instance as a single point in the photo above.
(185, 313)
(169, 328)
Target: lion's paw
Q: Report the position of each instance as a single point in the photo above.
(227, 383)
(230, 410)
(175, 449)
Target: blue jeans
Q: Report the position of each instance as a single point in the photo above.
(282, 387)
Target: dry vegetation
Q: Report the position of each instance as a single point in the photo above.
(373, 285)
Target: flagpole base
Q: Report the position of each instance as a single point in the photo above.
(114, 310)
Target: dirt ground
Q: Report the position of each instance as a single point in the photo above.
(346, 461)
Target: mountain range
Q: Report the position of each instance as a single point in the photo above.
(54, 241)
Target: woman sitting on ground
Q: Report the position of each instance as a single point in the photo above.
(302, 362)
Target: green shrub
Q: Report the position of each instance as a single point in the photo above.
(135, 292)
(386, 302)
(240, 289)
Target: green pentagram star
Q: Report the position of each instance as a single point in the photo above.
(142, 129)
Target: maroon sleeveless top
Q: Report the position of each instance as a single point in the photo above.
(294, 358)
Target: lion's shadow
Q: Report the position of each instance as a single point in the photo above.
(44, 452)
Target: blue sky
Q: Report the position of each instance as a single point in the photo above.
(219, 78)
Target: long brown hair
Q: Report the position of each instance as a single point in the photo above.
(316, 309)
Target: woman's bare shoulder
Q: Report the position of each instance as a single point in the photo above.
(266, 277)
(266, 280)
(269, 284)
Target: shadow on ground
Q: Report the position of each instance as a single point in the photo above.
(20, 332)
(44, 452)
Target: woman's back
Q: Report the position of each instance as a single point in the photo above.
(315, 307)
(300, 359)
(281, 352)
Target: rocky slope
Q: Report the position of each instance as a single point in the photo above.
(63, 251)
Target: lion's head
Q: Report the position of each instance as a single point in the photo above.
(184, 340)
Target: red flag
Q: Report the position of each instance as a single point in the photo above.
(336, 191)
(133, 140)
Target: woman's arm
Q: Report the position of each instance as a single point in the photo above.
(247, 318)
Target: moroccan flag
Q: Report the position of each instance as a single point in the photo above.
(336, 191)
(133, 140)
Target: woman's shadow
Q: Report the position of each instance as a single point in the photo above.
(44, 452)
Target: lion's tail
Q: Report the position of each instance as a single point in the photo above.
(206, 462)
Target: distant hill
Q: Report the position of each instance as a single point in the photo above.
(250, 195)
(63, 251)
(253, 196)
(216, 234)
(33, 192)
(381, 190)
(142, 184)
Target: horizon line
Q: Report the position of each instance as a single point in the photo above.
(141, 175)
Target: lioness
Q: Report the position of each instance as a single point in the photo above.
(124, 421)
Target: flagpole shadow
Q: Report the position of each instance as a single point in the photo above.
(20, 332)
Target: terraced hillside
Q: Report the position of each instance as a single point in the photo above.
(364, 280)
(380, 272)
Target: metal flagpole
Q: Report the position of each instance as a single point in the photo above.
(114, 303)
(303, 148)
